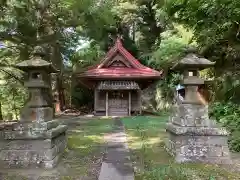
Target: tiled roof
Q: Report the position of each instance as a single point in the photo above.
(121, 72)
(137, 69)
(118, 47)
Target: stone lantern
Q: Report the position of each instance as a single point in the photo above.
(39, 106)
(193, 137)
(36, 140)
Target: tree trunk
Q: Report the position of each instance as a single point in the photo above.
(60, 92)
(57, 61)
(14, 105)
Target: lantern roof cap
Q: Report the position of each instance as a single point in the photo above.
(37, 62)
(193, 61)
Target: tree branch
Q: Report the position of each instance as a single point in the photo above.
(6, 36)
(13, 76)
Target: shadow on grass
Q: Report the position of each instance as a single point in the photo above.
(146, 137)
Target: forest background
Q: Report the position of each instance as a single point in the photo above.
(76, 34)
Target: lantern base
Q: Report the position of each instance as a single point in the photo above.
(198, 144)
(32, 148)
(193, 137)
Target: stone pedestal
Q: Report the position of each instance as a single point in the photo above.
(28, 145)
(193, 137)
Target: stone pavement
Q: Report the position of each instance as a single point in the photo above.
(116, 163)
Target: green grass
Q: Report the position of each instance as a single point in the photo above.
(86, 137)
(86, 144)
(146, 137)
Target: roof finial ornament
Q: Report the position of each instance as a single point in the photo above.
(119, 40)
(38, 51)
(119, 36)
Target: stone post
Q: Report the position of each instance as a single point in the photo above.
(193, 137)
(36, 140)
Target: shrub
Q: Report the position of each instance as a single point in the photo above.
(228, 114)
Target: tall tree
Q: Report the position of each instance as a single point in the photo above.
(27, 23)
(145, 19)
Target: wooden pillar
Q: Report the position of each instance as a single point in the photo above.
(140, 100)
(95, 99)
(106, 103)
(129, 103)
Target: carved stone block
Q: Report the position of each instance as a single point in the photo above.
(25, 126)
(196, 149)
(192, 115)
(40, 114)
(193, 137)
(28, 149)
(28, 144)
(34, 134)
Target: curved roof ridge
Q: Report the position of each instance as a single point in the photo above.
(118, 47)
(137, 69)
(129, 56)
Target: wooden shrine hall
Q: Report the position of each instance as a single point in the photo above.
(118, 81)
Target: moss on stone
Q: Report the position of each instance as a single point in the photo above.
(146, 139)
(81, 159)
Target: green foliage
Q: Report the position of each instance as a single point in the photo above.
(80, 60)
(228, 114)
(12, 93)
(173, 46)
(215, 26)
(85, 57)
(170, 49)
(212, 20)
(13, 96)
(82, 96)
(228, 87)
(144, 20)
(165, 91)
(219, 110)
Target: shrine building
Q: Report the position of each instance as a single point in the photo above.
(118, 81)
